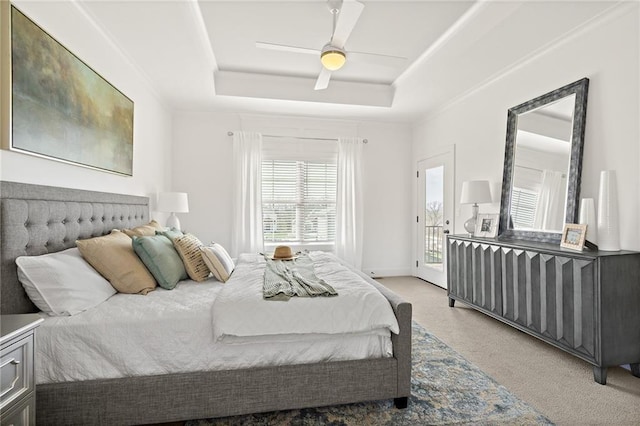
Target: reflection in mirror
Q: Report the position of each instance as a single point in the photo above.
(543, 160)
(541, 165)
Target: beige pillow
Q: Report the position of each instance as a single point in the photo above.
(147, 230)
(113, 257)
(188, 247)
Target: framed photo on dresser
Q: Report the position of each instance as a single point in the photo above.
(487, 225)
(573, 236)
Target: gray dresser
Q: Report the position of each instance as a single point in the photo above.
(17, 386)
(586, 303)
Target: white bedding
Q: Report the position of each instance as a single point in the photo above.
(171, 331)
(241, 315)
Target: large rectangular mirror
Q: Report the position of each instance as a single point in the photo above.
(543, 163)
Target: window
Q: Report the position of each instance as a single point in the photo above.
(523, 206)
(299, 201)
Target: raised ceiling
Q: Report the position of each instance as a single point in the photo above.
(201, 54)
(402, 29)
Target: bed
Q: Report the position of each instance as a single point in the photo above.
(38, 219)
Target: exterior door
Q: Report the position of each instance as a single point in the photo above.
(435, 215)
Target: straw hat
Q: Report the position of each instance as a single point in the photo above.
(283, 253)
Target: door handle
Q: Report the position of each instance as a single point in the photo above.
(446, 231)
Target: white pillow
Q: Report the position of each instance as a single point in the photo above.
(218, 261)
(62, 283)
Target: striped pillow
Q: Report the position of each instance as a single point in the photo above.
(218, 261)
(188, 247)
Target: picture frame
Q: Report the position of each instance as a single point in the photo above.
(574, 236)
(487, 225)
(55, 106)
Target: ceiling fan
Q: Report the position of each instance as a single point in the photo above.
(333, 55)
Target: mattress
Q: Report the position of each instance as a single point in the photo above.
(171, 331)
(241, 314)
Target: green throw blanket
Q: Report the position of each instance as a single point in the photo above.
(284, 279)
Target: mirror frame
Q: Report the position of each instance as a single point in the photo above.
(580, 88)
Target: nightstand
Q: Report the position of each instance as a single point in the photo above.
(17, 384)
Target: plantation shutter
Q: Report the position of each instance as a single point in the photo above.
(523, 204)
(299, 193)
(319, 205)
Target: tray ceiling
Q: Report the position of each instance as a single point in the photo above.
(201, 54)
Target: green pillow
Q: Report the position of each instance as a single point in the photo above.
(171, 234)
(161, 259)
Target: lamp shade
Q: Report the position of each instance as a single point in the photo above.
(174, 202)
(475, 191)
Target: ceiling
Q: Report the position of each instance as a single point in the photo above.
(202, 54)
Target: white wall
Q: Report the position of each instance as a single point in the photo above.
(203, 168)
(152, 121)
(607, 52)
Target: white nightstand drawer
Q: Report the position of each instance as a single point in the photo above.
(23, 414)
(16, 369)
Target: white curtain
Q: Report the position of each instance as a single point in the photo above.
(550, 208)
(247, 189)
(349, 202)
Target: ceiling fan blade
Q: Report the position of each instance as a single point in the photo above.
(377, 59)
(285, 48)
(323, 79)
(347, 19)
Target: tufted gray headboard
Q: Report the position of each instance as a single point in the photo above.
(36, 219)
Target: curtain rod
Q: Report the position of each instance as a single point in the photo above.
(300, 137)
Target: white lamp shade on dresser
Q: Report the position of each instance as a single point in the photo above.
(475, 191)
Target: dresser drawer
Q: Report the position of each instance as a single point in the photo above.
(16, 370)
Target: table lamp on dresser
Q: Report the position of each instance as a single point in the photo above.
(474, 192)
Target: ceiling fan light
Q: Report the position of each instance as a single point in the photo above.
(333, 59)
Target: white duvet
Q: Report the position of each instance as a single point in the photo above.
(172, 331)
(241, 314)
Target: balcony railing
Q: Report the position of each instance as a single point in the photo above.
(433, 244)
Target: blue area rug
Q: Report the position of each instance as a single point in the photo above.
(445, 389)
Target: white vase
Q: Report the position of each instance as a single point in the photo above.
(608, 218)
(588, 217)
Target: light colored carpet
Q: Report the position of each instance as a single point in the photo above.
(445, 390)
(559, 385)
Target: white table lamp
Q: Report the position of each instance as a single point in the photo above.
(474, 192)
(173, 202)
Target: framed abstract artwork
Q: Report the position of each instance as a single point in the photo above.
(59, 108)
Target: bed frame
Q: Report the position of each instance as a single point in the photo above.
(37, 219)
